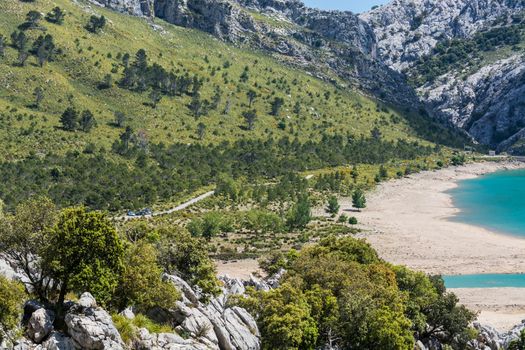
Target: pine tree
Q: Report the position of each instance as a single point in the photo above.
(96, 23)
(201, 130)
(196, 106)
(56, 16)
(39, 96)
(32, 19)
(252, 95)
(277, 104)
(300, 214)
(358, 199)
(245, 76)
(250, 117)
(69, 119)
(87, 121)
(2, 46)
(19, 40)
(44, 49)
(120, 118)
(333, 206)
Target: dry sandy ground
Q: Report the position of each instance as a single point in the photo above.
(500, 307)
(407, 221)
(238, 269)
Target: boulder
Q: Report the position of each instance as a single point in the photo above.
(87, 300)
(167, 341)
(40, 324)
(216, 324)
(241, 336)
(194, 322)
(92, 329)
(189, 295)
(128, 313)
(58, 341)
(258, 284)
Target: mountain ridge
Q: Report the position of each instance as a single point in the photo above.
(379, 51)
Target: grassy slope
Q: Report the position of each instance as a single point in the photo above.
(88, 57)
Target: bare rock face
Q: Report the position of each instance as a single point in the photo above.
(167, 341)
(133, 7)
(490, 339)
(489, 103)
(58, 341)
(40, 324)
(216, 324)
(485, 98)
(221, 18)
(409, 29)
(92, 328)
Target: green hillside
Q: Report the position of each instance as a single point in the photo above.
(184, 110)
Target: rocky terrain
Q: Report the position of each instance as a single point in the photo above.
(409, 29)
(483, 97)
(206, 326)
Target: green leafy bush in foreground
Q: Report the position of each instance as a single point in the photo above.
(339, 292)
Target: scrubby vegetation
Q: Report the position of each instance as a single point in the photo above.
(335, 292)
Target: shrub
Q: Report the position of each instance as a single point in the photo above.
(11, 300)
(353, 220)
(343, 218)
(263, 221)
(141, 285)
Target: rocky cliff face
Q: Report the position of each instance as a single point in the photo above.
(132, 7)
(489, 103)
(409, 29)
(484, 98)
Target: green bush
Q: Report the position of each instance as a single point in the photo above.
(84, 253)
(263, 221)
(343, 219)
(140, 283)
(12, 296)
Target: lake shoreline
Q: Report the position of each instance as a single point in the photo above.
(408, 221)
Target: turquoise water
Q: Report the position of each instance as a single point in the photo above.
(495, 201)
(485, 281)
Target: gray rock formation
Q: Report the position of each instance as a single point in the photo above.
(409, 29)
(132, 7)
(92, 328)
(216, 324)
(486, 98)
(489, 103)
(490, 339)
(167, 341)
(40, 324)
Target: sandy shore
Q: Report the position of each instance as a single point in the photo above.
(407, 221)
